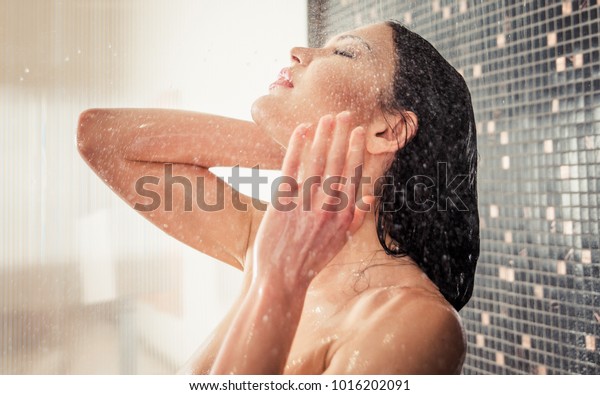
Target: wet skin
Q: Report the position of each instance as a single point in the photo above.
(406, 326)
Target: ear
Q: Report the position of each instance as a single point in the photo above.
(390, 132)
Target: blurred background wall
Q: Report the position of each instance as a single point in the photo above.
(533, 68)
(86, 284)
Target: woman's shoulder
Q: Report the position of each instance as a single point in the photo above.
(418, 324)
(401, 301)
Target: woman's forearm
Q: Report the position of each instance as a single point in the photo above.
(176, 136)
(261, 335)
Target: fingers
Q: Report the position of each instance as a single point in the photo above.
(320, 146)
(336, 151)
(354, 164)
(339, 145)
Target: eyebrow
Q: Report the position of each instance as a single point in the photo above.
(362, 41)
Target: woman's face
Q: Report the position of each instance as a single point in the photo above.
(353, 71)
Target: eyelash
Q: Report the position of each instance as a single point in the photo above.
(344, 53)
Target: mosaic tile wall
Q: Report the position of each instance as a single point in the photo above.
(533, 68)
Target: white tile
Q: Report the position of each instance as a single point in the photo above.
(502, 273)
(485, 318)
(462, 6)
(551, 39)
(568, 227)
(494, 211)
(567, 8)
(561, 64)
(477, 71)
(538, 291)
(548, 146)
(561, 267)
(586, 256)
(555, 106)
(446, 12)
(479, 340)
(590, 342)
(550, 213)
(510, 274)
(526, 341)
(503, 138)
(501, 40)
(505, 162)
(500, 358)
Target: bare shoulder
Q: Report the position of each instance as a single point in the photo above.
(399, 330)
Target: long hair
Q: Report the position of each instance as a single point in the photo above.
(427, 201)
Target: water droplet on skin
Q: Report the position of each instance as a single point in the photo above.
(165, 226)
(265, 318)
(67, 59)
(26, 70)
(352, 360)
(388, 338)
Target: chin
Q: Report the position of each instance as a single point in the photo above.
(257, 110)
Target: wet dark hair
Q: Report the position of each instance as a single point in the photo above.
(428, 214)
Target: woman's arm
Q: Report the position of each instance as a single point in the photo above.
(129, 149)
(292, 246)
(200, 139)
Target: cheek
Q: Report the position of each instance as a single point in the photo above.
(337, 90)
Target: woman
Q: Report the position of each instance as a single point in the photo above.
(369, 278)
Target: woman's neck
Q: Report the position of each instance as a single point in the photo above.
(363, 251)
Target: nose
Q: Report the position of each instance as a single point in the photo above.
(301, 55)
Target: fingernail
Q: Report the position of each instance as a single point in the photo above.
(344, 115)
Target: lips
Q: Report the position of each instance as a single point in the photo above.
(284, 79)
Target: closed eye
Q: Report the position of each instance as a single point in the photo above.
(344, 53)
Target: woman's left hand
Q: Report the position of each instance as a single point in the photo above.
(300, 233)
(305, 227)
